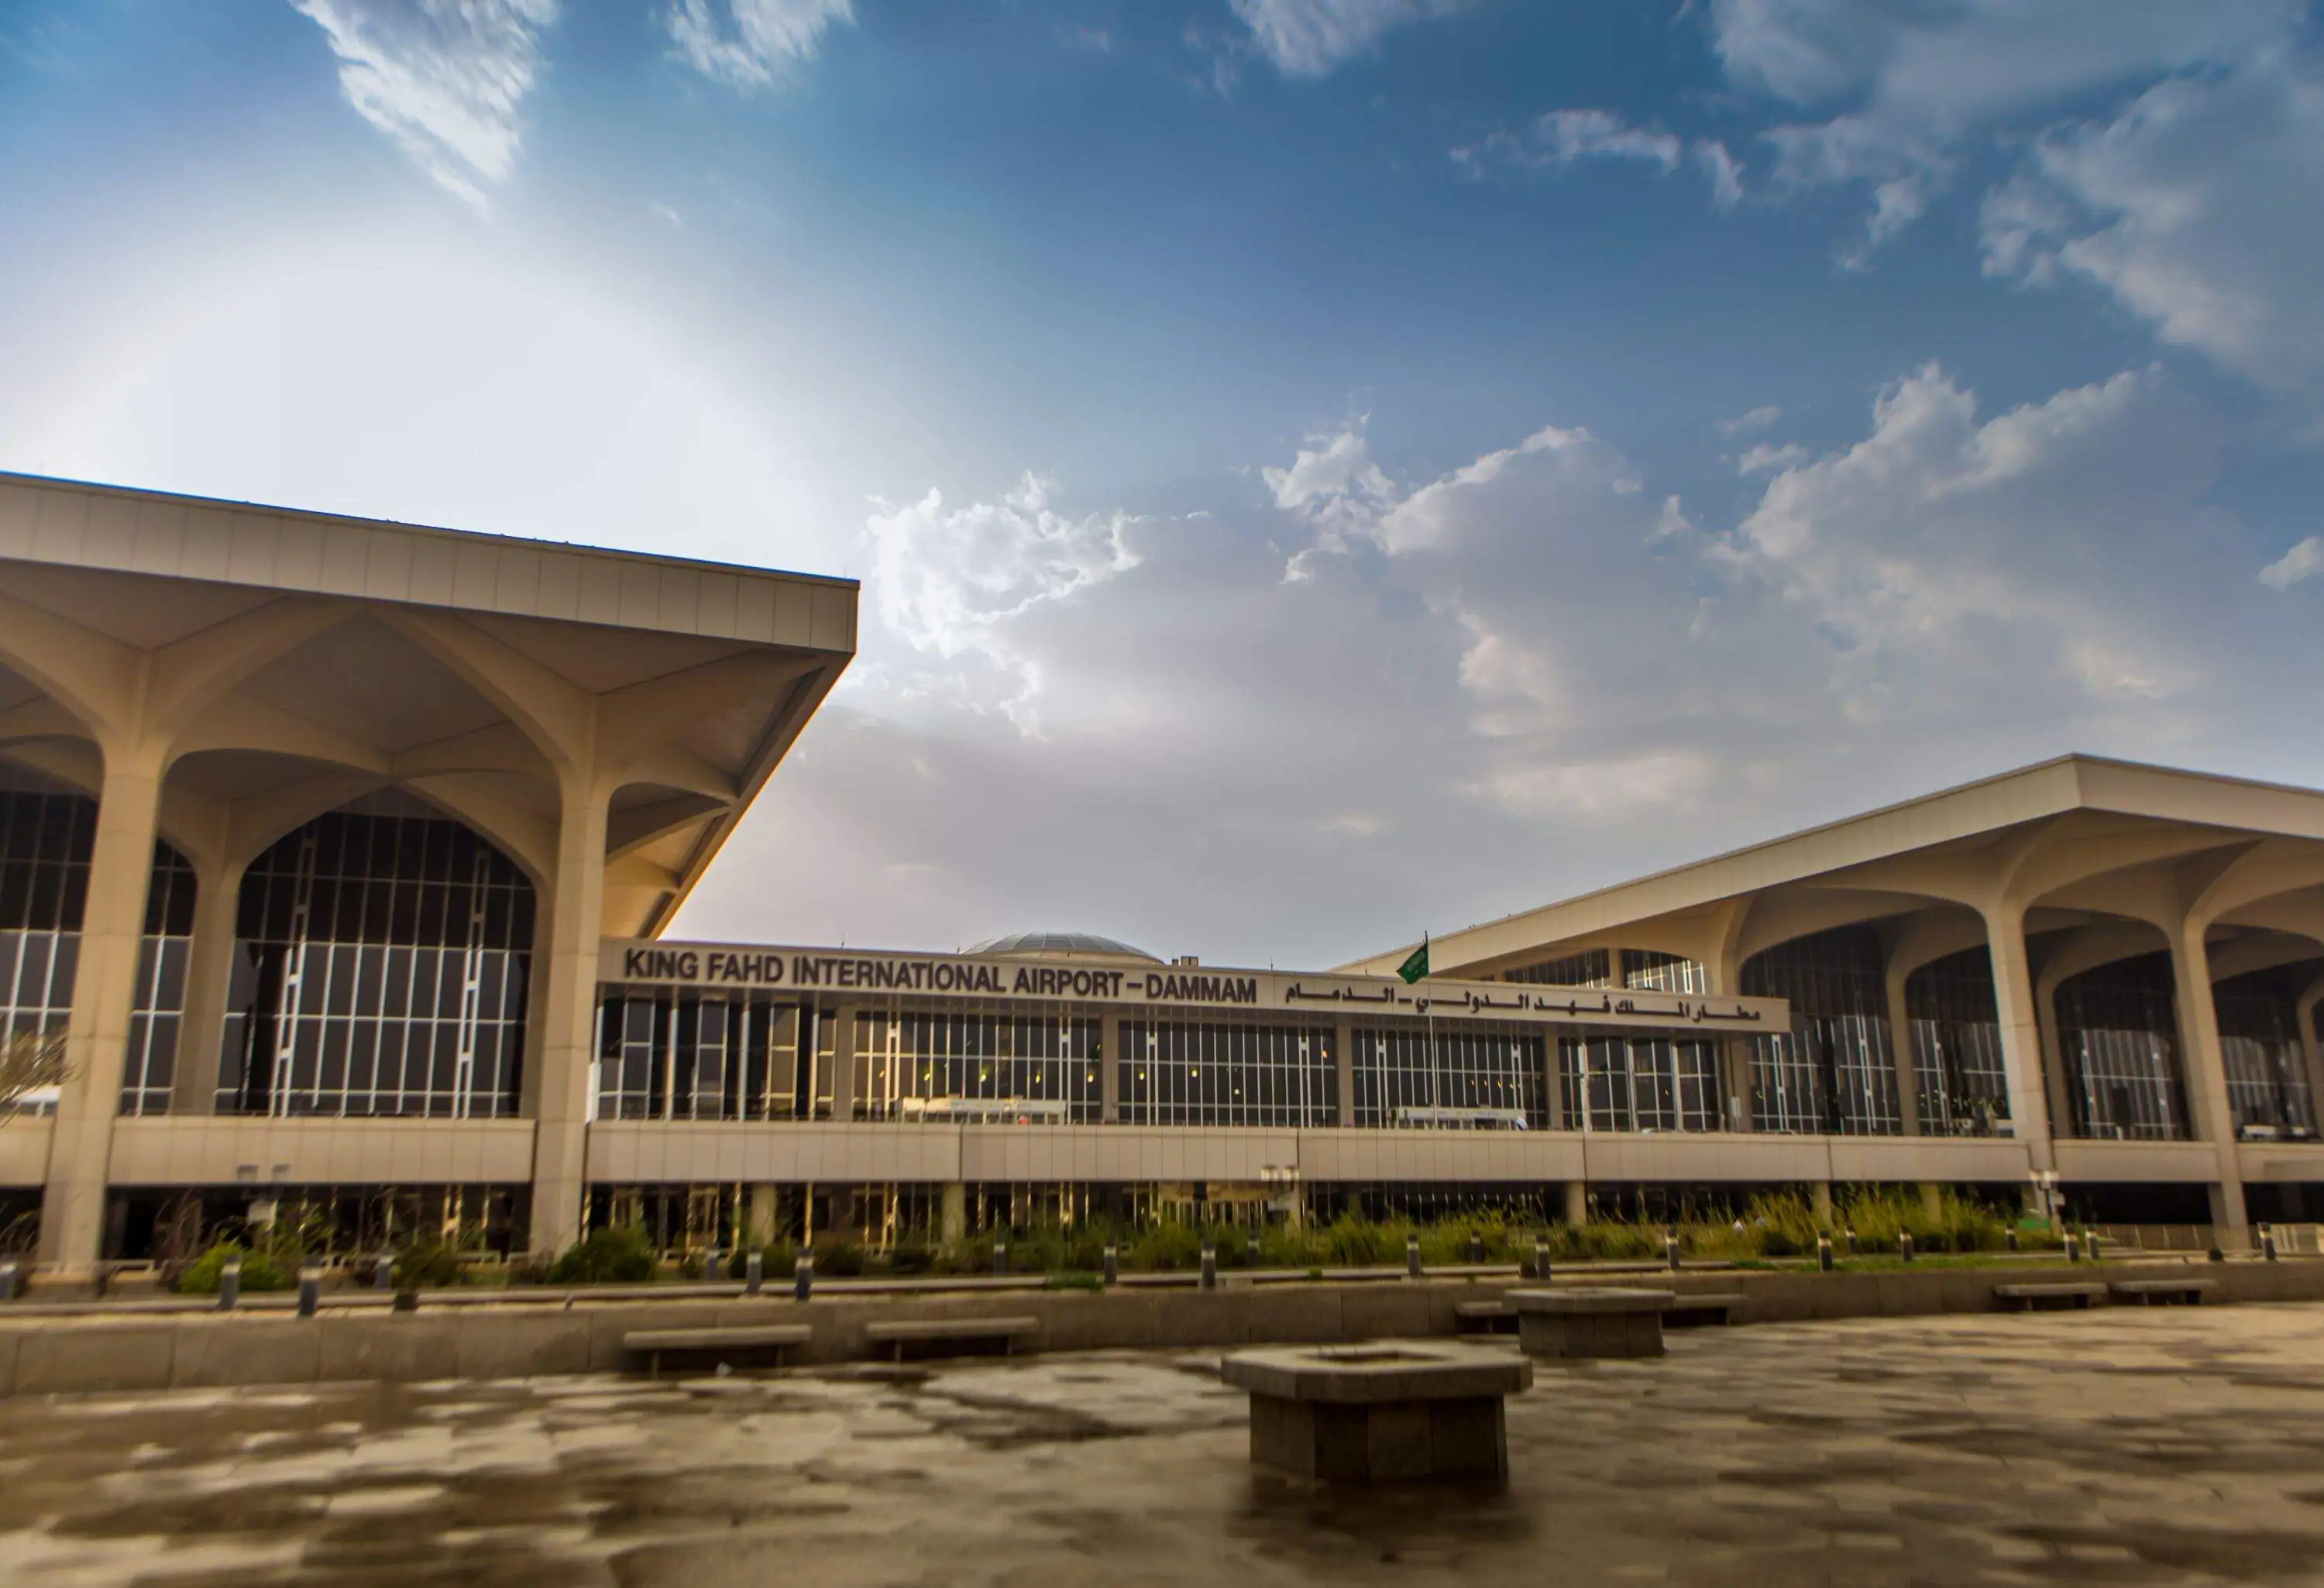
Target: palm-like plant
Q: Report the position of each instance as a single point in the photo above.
(30, 1061)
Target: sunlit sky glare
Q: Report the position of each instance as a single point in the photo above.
(1320, 470)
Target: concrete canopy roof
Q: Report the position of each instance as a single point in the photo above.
(308, 660)
(2070, 843)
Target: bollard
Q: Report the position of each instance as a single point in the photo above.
(1476, 1249)
(229, 1284)
(1905, 1244)
(1670, 1250)
(2090, 1244)
(310, 1289)
(1209, 1267)
(714, 1265)
(2267, 1242)
(1112, 1263)
(1823, 1249)
(803, 1277)
(1000, 1255)
(1541, 1258)
(1412, 1255)
(7, 1281)
(1851, 1243)
(754, 1272)
(2010, 1236)
(383, 1275)
(2073, 1248)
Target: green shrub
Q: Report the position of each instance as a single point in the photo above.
(621, 1255)
(428, 1263)
(909, 1257)
(1074, 1282)
(261, 1270)
(1167, 1247)
(838, 1257)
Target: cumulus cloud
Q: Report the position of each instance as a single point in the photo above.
(1750, 423)
(445, 78)
(2196, 210)
(1310, 37)
(1504, 681)
(950, 581)
(1901, 88)
(752, 39)
(2302, 561)
(1943, 557)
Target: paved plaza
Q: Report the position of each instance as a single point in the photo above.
(2116, 1446)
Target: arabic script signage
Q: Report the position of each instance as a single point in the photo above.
(833, 975)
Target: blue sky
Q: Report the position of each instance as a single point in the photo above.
(1321, 469)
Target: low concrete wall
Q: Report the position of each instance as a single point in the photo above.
(89, 1353)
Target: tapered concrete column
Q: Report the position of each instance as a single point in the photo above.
(569, 1020)
(1343, 1068)
(2207, 1077)
(1109, 1069)
(1577, 1203)
(953, 1219)
(209, 978)
(2021, 1032)
(105, 991)
(759, 1222)
(1900, 1047)
(1819, 1197)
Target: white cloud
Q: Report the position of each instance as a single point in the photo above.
(1310, 37)
(950, 582)
(755, 39)
(445, 78)
(1725, 172)
(2304, 561)
(1905, 86)
(1751, 423)
(1942, 559)
(2197, 209)
(1761, 456)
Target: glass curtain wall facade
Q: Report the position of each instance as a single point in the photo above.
(2266, 1064)
(2119, 1040)
(1639, 1084)
(1959, 1076)
(152, 1061)
(1645, 970)
(949, 1067)
(1832, 1073)
(687, 1056)
(380, 968)
(1188, 1073)
(46, 842)
(1592, 967)
(1406, 1078)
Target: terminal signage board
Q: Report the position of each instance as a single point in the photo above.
(851, 976)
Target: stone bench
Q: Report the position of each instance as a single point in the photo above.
(2189, 1292)
(653, 1344)
(1483, 1317)
(1690, 1310)
(1590, 1323)
(2045, 1297)
(951, 1336)
(1362, 1414)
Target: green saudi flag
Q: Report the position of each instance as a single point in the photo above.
(1416, 965)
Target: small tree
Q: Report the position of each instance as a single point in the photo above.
(30, 1061)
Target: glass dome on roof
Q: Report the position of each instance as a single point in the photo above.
(1050, 945)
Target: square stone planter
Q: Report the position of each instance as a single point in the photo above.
(1379, 1413)
(1589, 1322)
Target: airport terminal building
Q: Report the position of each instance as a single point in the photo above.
(343, 853)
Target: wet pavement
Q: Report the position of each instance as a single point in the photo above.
(2164, 1445)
